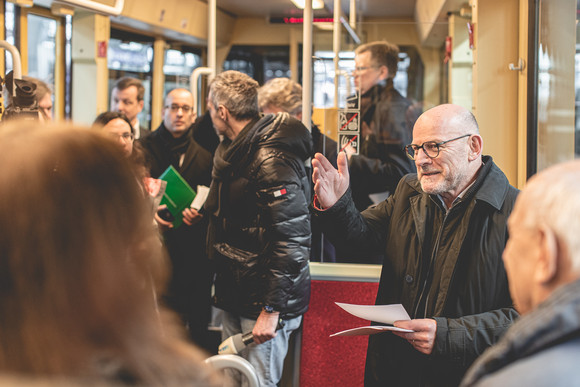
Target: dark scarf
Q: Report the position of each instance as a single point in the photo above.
(174, 147)
(231, 156)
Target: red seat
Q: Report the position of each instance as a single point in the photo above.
(336, 361)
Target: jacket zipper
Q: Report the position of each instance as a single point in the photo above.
(433, 255)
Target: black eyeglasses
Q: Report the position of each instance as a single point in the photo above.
(431, 148)
(360, 69)
(175, 108)
(126, 137)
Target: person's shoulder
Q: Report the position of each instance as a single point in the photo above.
(532, 370)
(150, 138)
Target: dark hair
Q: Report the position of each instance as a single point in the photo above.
(106, 117)
(383, 53)
(80, 263)
(126, 82)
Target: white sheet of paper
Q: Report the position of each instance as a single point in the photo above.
(368, 330)
(200, 197)
(386, 314)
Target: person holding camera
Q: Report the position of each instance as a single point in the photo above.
(173, 144)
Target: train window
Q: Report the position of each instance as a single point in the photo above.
(323, 85)
(10, 31)
(178, 67)
(408, 80)
(260, 62)
(577, 88)
(42, 47)
(132, 59)
(558, 94)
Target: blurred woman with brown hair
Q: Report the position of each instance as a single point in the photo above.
(77, 255)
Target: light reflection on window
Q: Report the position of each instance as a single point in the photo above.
(178, 68)
(9, 22)
(41, 47)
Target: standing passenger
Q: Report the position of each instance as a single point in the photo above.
(173, 144)
(385, 129)
(127, 97)
(443, 232)
(542, 259)
(259, 235)
(79, 264)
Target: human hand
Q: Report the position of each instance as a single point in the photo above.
(423, 337)
(191, 216)
(329, 184)
(265, 327)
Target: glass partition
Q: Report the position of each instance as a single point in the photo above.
(420, 81)
(558, 83)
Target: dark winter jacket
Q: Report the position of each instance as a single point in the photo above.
(387, 120)
(446, 266)
(259, 233)
(541, 349)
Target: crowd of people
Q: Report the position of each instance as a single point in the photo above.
(100, 287)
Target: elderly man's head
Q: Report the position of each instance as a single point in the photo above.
(281, 95)
(543, 251)
(447, 150)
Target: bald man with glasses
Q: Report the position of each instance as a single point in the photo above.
(442, 232)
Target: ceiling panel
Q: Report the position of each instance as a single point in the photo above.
(365, 8)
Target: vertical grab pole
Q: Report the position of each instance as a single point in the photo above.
(211, 42)
(336, 47)
(307, 66)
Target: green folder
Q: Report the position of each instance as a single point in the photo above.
(178, 194)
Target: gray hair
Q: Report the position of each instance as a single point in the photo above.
(553, 198)
(282, 93)
(237, 92)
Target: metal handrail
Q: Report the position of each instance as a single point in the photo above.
(16, 62)
(220, 362)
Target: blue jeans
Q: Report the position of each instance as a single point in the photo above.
(267, 358)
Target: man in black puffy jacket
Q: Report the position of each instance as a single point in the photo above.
(443, 232)
(259, 234)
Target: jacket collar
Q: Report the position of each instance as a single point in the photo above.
(552, 322)
(492, 192)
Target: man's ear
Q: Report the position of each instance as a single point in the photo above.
(141, 104)
(383, 72)
(548, 263)
(222, 112)
(475, 146)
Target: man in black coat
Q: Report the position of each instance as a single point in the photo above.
(173, 144)
(259, 234)
(387, 119)
(443, 232)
